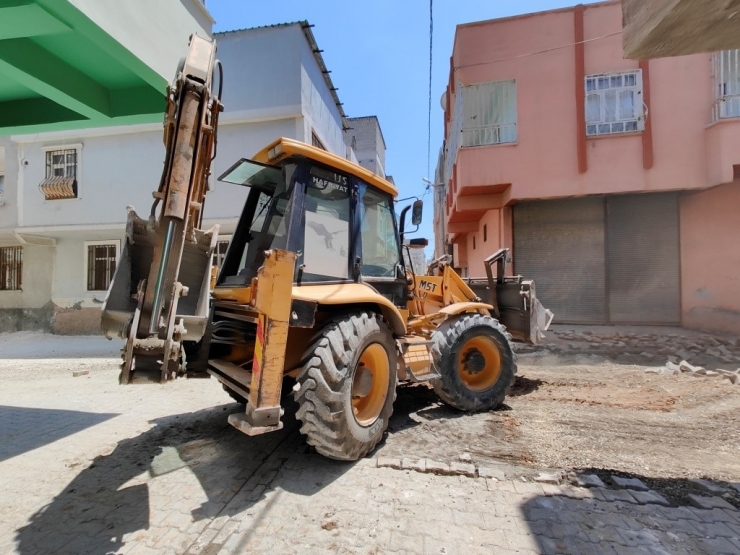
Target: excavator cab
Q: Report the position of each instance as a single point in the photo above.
(341, 228)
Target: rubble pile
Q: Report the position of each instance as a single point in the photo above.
(698, 354)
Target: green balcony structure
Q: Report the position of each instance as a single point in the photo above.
(74, 64)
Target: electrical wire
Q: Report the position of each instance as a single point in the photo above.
(540, 51)
(429, 115)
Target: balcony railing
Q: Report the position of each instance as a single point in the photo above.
(489, 135)
(726, 107)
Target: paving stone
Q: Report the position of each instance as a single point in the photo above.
(649, 497)
(688, 368)
(617, 495)
(708, 486)
(629, 483)
(709, 502)
(465, 457)
(588, 481)
(418, 465)
(385, 462)
(549, 478)
(491, 473)
(463, 469)
(436, 467)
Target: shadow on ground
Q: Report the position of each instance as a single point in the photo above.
(569, 524)
(94, 511)
(23, 429)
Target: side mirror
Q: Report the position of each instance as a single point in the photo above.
(416, 212)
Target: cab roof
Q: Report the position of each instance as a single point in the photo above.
(271, 154)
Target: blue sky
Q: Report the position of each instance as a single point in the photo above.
(378, 53)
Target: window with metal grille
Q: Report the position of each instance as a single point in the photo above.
(11, 268)
(726, 69)
(61, 163)
(315, 141)
(614, 103)
(489, 114)
(101, 265)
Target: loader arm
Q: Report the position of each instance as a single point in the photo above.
(158, 298)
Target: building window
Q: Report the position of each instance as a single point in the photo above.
(473, 242)
(101, 264)
(485, 232)
(62, 171)
(315, 141)
(726, 66)
(11, 268)
(489, 114)
(614, 103)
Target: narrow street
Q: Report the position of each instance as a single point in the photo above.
(87, 466)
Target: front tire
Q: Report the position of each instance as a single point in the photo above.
(475, 360)
(346, 387)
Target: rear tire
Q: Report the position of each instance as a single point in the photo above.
(346, 386)
(475, 360)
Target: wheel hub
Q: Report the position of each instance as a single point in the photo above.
(474, 362)
(479, 363)
(370, 384)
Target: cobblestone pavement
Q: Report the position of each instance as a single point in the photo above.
(87, 466)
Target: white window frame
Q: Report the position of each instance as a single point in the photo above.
(78, 171)
(221, 239)
(476, 100)
(617, 126)
(726, 84)
(116, 242)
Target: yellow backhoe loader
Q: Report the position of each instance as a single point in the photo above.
(313, 287)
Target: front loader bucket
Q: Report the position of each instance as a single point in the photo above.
(133, 267)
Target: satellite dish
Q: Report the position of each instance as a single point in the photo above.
(442, 100)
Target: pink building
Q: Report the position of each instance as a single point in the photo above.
(615, 183)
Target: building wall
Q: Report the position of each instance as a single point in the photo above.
(679, 150)
(710, 259)
(273, 88)
(113, 171)
(9, 210)
(483, 249)
(31, 307)
(237, 141)
(319, 110)
(544, 161)
(155, 32)
(366, 138)
(261, 71)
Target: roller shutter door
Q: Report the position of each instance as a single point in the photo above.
(643, 259)
(561, 245)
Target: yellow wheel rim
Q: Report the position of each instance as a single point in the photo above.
(368, 399)
(479, 363)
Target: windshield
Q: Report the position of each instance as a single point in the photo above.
(266, 208)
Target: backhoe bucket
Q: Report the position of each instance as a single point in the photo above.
(133, 267)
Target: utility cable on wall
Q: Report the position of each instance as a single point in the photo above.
(569, 45)
(429, 115)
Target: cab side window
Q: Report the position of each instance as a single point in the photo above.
(379, 242)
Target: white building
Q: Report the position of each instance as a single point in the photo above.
(57, 255)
